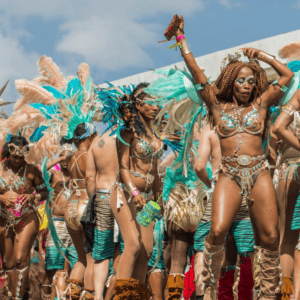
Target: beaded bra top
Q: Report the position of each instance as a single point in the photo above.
(144, 150)
(15, 185)
(229, 125)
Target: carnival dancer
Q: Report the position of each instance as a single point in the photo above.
(240, 239)
(286, 128)
(55, 262)
(238, 103)
(102, 168)
(19, 220)
(76, 162)
(138, 150)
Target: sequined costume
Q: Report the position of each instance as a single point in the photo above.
(54, 259)
(103, 247)
(229, 125)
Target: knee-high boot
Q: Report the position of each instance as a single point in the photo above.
(267, 274)
(213, 256)
(175, 286)
(126, 289)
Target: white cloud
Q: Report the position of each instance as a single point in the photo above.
(108, 43)
(229, 4)
(296, 4)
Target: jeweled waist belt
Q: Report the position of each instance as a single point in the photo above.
(103, 191)
(245, 171)
(243, 160)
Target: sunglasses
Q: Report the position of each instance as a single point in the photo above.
(250, 79)
(18, 150)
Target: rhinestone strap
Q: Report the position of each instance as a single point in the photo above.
(20, 280)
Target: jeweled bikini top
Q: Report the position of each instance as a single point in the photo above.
(144, 150)
(229, 125)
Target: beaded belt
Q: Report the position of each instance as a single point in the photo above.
(148, 178)
(243, 160)
(245, 171)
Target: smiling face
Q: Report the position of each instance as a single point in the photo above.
(16, 160)
(244, 85)
(147, 111)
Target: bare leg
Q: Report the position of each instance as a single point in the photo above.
(110, 291)
(22, 247)
(296, 289)
(156, 283)
(89, 272)
(264, 212)
(101, 269)
(287, 193)
(141, 264)
(130, 230)
(198, 267)
(77, 272)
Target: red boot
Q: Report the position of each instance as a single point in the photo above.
(226, 282)
(246, 279)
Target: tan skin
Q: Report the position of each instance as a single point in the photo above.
(15, 251)
(138, 239)
(101, 173)
(292, 188)
(73, 225)
(58, 180)
(227, 198)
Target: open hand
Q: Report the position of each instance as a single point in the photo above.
(250, 52)
(29, 198)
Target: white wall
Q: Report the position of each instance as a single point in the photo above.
(211, 62)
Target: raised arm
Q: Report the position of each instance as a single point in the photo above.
(91, 173)
(123, 152)
(285, 118)
(55, 162)
(204, 152)
(276, 90)
(205, 89)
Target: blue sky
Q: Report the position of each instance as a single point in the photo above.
(119, 38)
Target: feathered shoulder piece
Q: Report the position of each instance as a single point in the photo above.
(178, 96)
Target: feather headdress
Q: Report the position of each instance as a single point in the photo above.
(51, 107)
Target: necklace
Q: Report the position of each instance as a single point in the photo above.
(12, 180)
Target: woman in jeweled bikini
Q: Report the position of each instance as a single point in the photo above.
(138, 183)
(19, 222)
(83, 137)
(239, 103)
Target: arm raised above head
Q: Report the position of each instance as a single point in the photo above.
(202, 83)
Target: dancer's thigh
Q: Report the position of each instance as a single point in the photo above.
(226, 203)
(264, 211)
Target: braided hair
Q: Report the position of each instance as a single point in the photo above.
(223, 87)
(129, 111)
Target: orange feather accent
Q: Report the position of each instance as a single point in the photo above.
(290, 51)
(50, 73)
(32, 92)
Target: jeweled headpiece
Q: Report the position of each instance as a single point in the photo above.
(231, 57)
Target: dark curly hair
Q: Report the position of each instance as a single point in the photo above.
(128, 106)
(80, 130)
(16, 140)
(63, 141)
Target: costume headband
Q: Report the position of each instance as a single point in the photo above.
(90, 130)
(67, 147)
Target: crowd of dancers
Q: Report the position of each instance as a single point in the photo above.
(111, 216)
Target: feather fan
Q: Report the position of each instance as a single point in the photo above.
(50, 73)
(32, 92)
(83, 73)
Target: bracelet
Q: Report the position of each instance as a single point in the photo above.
(179, 38)
(37, 197)
(135, 192)
(185, 48)
(201, 86)
(130, 188)
(283, 88)
(265, 57)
